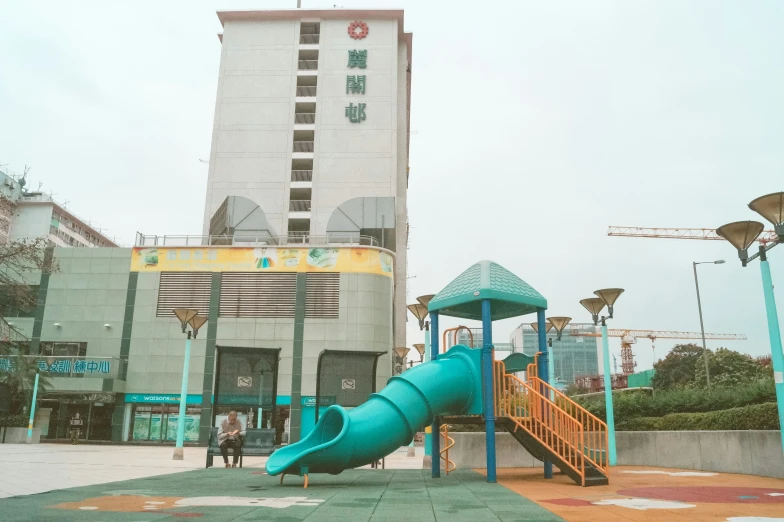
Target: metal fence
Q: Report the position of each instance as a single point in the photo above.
(240, 239)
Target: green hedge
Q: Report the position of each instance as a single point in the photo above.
(632, 405)
(754, 417)
(14, 421)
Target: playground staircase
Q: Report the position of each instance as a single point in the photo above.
(551, 426)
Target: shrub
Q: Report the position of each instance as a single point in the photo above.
(754, 417)
(631, 405)
(14, 421)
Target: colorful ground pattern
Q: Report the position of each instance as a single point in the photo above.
(220, 494)
(642, 494)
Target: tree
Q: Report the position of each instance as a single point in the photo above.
(21, 263)
(730, 368)
(679, 368)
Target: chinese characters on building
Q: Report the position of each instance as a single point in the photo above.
(355, 84)
(64, 366)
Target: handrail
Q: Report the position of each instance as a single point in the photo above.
(594, 426)
(448, 443)
(455, 329)
(562, 430)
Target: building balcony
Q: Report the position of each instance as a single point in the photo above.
(301, 176)
(305, 118)
(306, 91)
(299, 205)
(303, 146)
(335, 239)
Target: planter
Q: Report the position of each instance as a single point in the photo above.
(19, 435)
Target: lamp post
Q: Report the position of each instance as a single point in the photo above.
(186, 316)
(419, 310)
(550, 366)
(32, 407)
(699, 307)
(420, 348)
(742, 234)
(400, 364)
(559, 323)
(595, 305)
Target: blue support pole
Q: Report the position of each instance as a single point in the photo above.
(428, 436)
(32, 410)
(178, 454)
(487, 385)
(543, 369)
(435, 442)
(608, 401)
(776, 355)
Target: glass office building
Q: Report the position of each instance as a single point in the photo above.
(573, 355)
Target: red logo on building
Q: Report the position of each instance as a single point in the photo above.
(357, 30)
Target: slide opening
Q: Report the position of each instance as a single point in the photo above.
(331, 425)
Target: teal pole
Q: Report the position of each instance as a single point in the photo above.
(487, 384)
(427, 359)
(776, 356)
(32, 410)
(551, 369)
(544, 370)
(178, 455)
(608, 402)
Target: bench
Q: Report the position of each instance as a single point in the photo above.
(255, 443)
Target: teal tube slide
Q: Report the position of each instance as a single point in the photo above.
(342, 439)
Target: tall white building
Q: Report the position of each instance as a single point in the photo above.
(311, 133)
(25, 215)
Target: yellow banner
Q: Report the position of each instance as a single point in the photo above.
(262, 259)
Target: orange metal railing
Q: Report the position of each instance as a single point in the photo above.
(456, 329)
(449, 465)
(562, 425)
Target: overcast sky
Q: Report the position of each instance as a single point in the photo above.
(537, 125)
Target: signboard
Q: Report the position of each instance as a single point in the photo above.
(244, 382)
(323, 401)
(349, 384)
(262, 259)
(158, 398)
(67, 366)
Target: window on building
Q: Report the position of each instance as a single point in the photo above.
(54, 349)
(252, 294)
(18, 301)
(322, 299)
(184, 290)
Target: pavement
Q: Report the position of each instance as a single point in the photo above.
(141, 483)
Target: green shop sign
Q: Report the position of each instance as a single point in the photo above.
(323, 401)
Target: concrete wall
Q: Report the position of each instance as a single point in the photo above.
(31, 221)
(469, 451)
(745, 452)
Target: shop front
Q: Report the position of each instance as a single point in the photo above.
(154, 417)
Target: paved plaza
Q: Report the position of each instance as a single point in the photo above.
(141, 483)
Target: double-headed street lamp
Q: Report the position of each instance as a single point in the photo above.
(699, 307)
(186, 316)
(419, 310)
(742, 234)
(595, 305)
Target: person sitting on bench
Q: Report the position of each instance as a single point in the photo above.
(230, 436)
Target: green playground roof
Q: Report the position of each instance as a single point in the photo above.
(510, 296)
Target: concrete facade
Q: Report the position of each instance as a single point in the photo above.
(746, 452)
(105, 303)
(281, 111)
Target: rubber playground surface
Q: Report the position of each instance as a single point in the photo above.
(223, 494)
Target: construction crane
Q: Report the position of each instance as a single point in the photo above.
(629, 337)
(767, 236)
